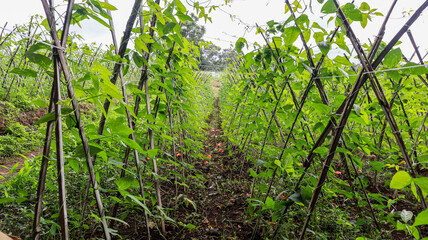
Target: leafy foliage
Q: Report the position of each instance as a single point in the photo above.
(275, 100)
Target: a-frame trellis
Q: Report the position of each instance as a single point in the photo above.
(60, 66)
(369, 64)
(366, 72)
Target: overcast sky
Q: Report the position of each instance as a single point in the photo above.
(236, 20)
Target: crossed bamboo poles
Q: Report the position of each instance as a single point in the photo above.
(345, 108)
(60, 64)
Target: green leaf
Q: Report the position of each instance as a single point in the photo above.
(147, 38)
(324, 46)
(180, 7)
(364, 6)
(401, 227)
(270, 203)
(140, 46)
(110, 89)
(290, 35)
(117, 219)
(413, 70)
(39, 46)
(392, 58)
(290, 69)
(93, 150)
(120, 129)
(39, 59)
(271, 23)
(103, 71)
(400, 180)
(316, 25)
(406, 215)
(328, 7)
(303, 21)
(240, 43)
(377, 165)
(152, 153)
(124, 183)
(178, 40)
(319, 36)
(96, 18)
(141, 204)
(24, 72)
(395, 75)
(184, 17)
(12, 170)
(253, 173)
(107, 6)
(421, 219)
(364, 21)
(138, 59)
(351, 12)
(422, 183)
(322, 108)
(267, 54)
(132, 144)
(342, 60)
(7, 200)
(277, 41)
(414, 232)
(48, 117)
(40, 103)
(302, 197)
(74, 163)
(169, 27)
(249, 60)
(45, 24)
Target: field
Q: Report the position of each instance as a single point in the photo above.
(310, 135)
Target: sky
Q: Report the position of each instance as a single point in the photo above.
(237, 19)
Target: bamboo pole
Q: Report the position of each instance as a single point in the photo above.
(63, 63)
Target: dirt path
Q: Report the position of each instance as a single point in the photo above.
(221, 202)
(215, 205)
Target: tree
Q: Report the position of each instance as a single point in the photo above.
(212, 57)
(192, 31)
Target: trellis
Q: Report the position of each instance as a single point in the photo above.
(60, 64)
(369, 64)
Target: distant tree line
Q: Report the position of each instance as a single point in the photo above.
(212, 57)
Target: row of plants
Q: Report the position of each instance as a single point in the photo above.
(121, 124)
(307, 119)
